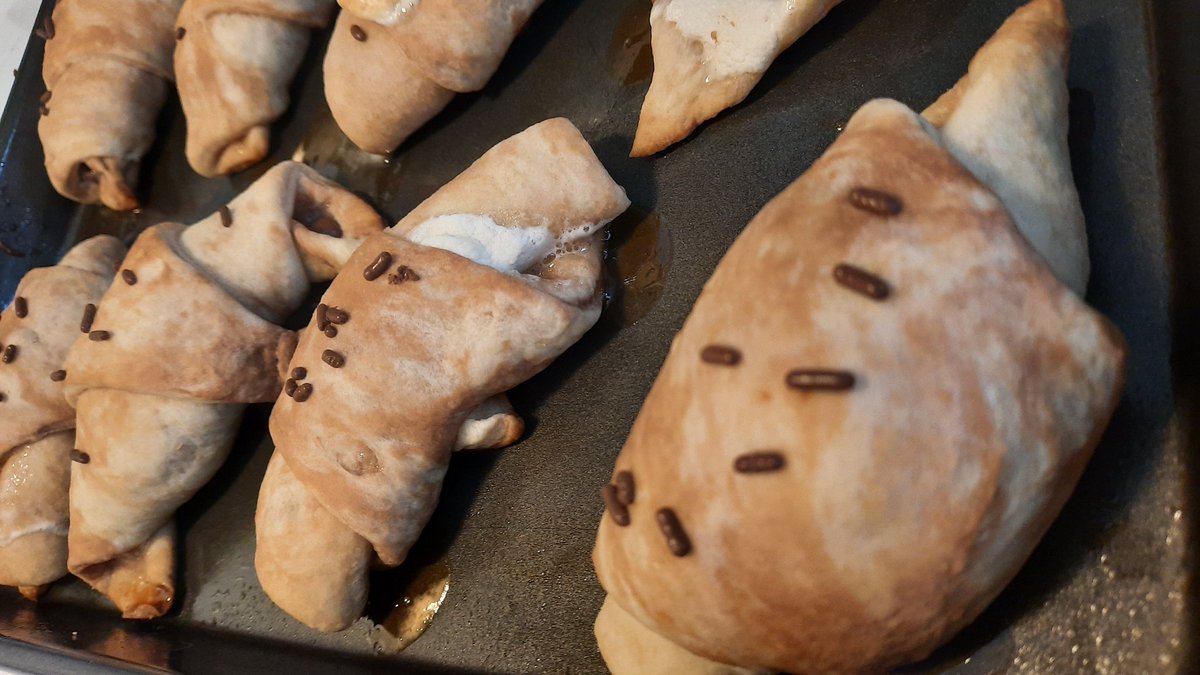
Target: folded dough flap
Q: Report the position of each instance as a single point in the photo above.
(234, 66)
(140, 582)
(53, 300)
(85, 30)
(289, 228)
(1007, 122)
(423, 346)
(708, 56)
(888, 261)
(176, 332)
(33, 522)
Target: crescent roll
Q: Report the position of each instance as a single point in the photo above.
(476, 290)
(235, 60)
(708, 55)
(36, 424)
(391, 66)
(107, 71)
(184, 339)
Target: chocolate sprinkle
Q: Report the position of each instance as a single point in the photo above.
(89, 315)
(180, 32)
(875, 201)
(3, 398)
(404, 273)
(861, 281)
(10, 251)
(337, 315)
(616, 510)
(820, 380)
(58, 376)
(99, 335)
(625, 490)
(289, 387)
(330, 331)
(45, 97)
(128, 277)
(302, 392)
(46, 32)
(9, 355)
(759, 462)
(333, 359)
(43, 110)
(322, 320)
(300, 372)
(358, 33)
(226, 216)
(380, 265)
(21, 307)
(80, 456)
(720, 355)
(672, 529)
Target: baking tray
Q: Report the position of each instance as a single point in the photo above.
(1112, 587)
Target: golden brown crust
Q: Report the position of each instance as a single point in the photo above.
(904, 504)
(234, 66)
(108, 78)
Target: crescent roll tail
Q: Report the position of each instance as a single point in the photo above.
(385, 79)
(180, 344)
(476, 290)
(1007, 120)
(106, 77)
(235, 61)
(709, 55)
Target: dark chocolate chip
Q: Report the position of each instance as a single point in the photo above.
(58, 376)
(89, 315)
(302, 392)
(21, 307)
(9, 355)
(721, 355)
(330, 331)
(299, 372)
(876, 201)
(759, 462)
(403, 273)
(43, 110)
(99, 335)
(625, 489)
(180, 32)
(289, 387)
(333, 359)
(358, 33)
(616, 510)
(3, 398)
(80, 456)
(45, 97)
(820, 380)
(128, 277)
(337, 315)
(861, 281)
(377, 268)
(226, 216)
(672, 529)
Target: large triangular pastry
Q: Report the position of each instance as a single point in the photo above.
(185, 338)
(708, 55)
(476, 290)
(881, 400)
(107, 71)
(37, 426)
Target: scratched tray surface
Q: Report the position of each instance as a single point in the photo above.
(513, 534)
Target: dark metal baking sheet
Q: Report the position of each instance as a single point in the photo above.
(1106, 592)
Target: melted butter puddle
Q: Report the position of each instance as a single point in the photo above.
(629, 54)
(637, 259)
(413, 611)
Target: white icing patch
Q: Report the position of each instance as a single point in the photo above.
(481, 239)
(737, 37)
(386, 12)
